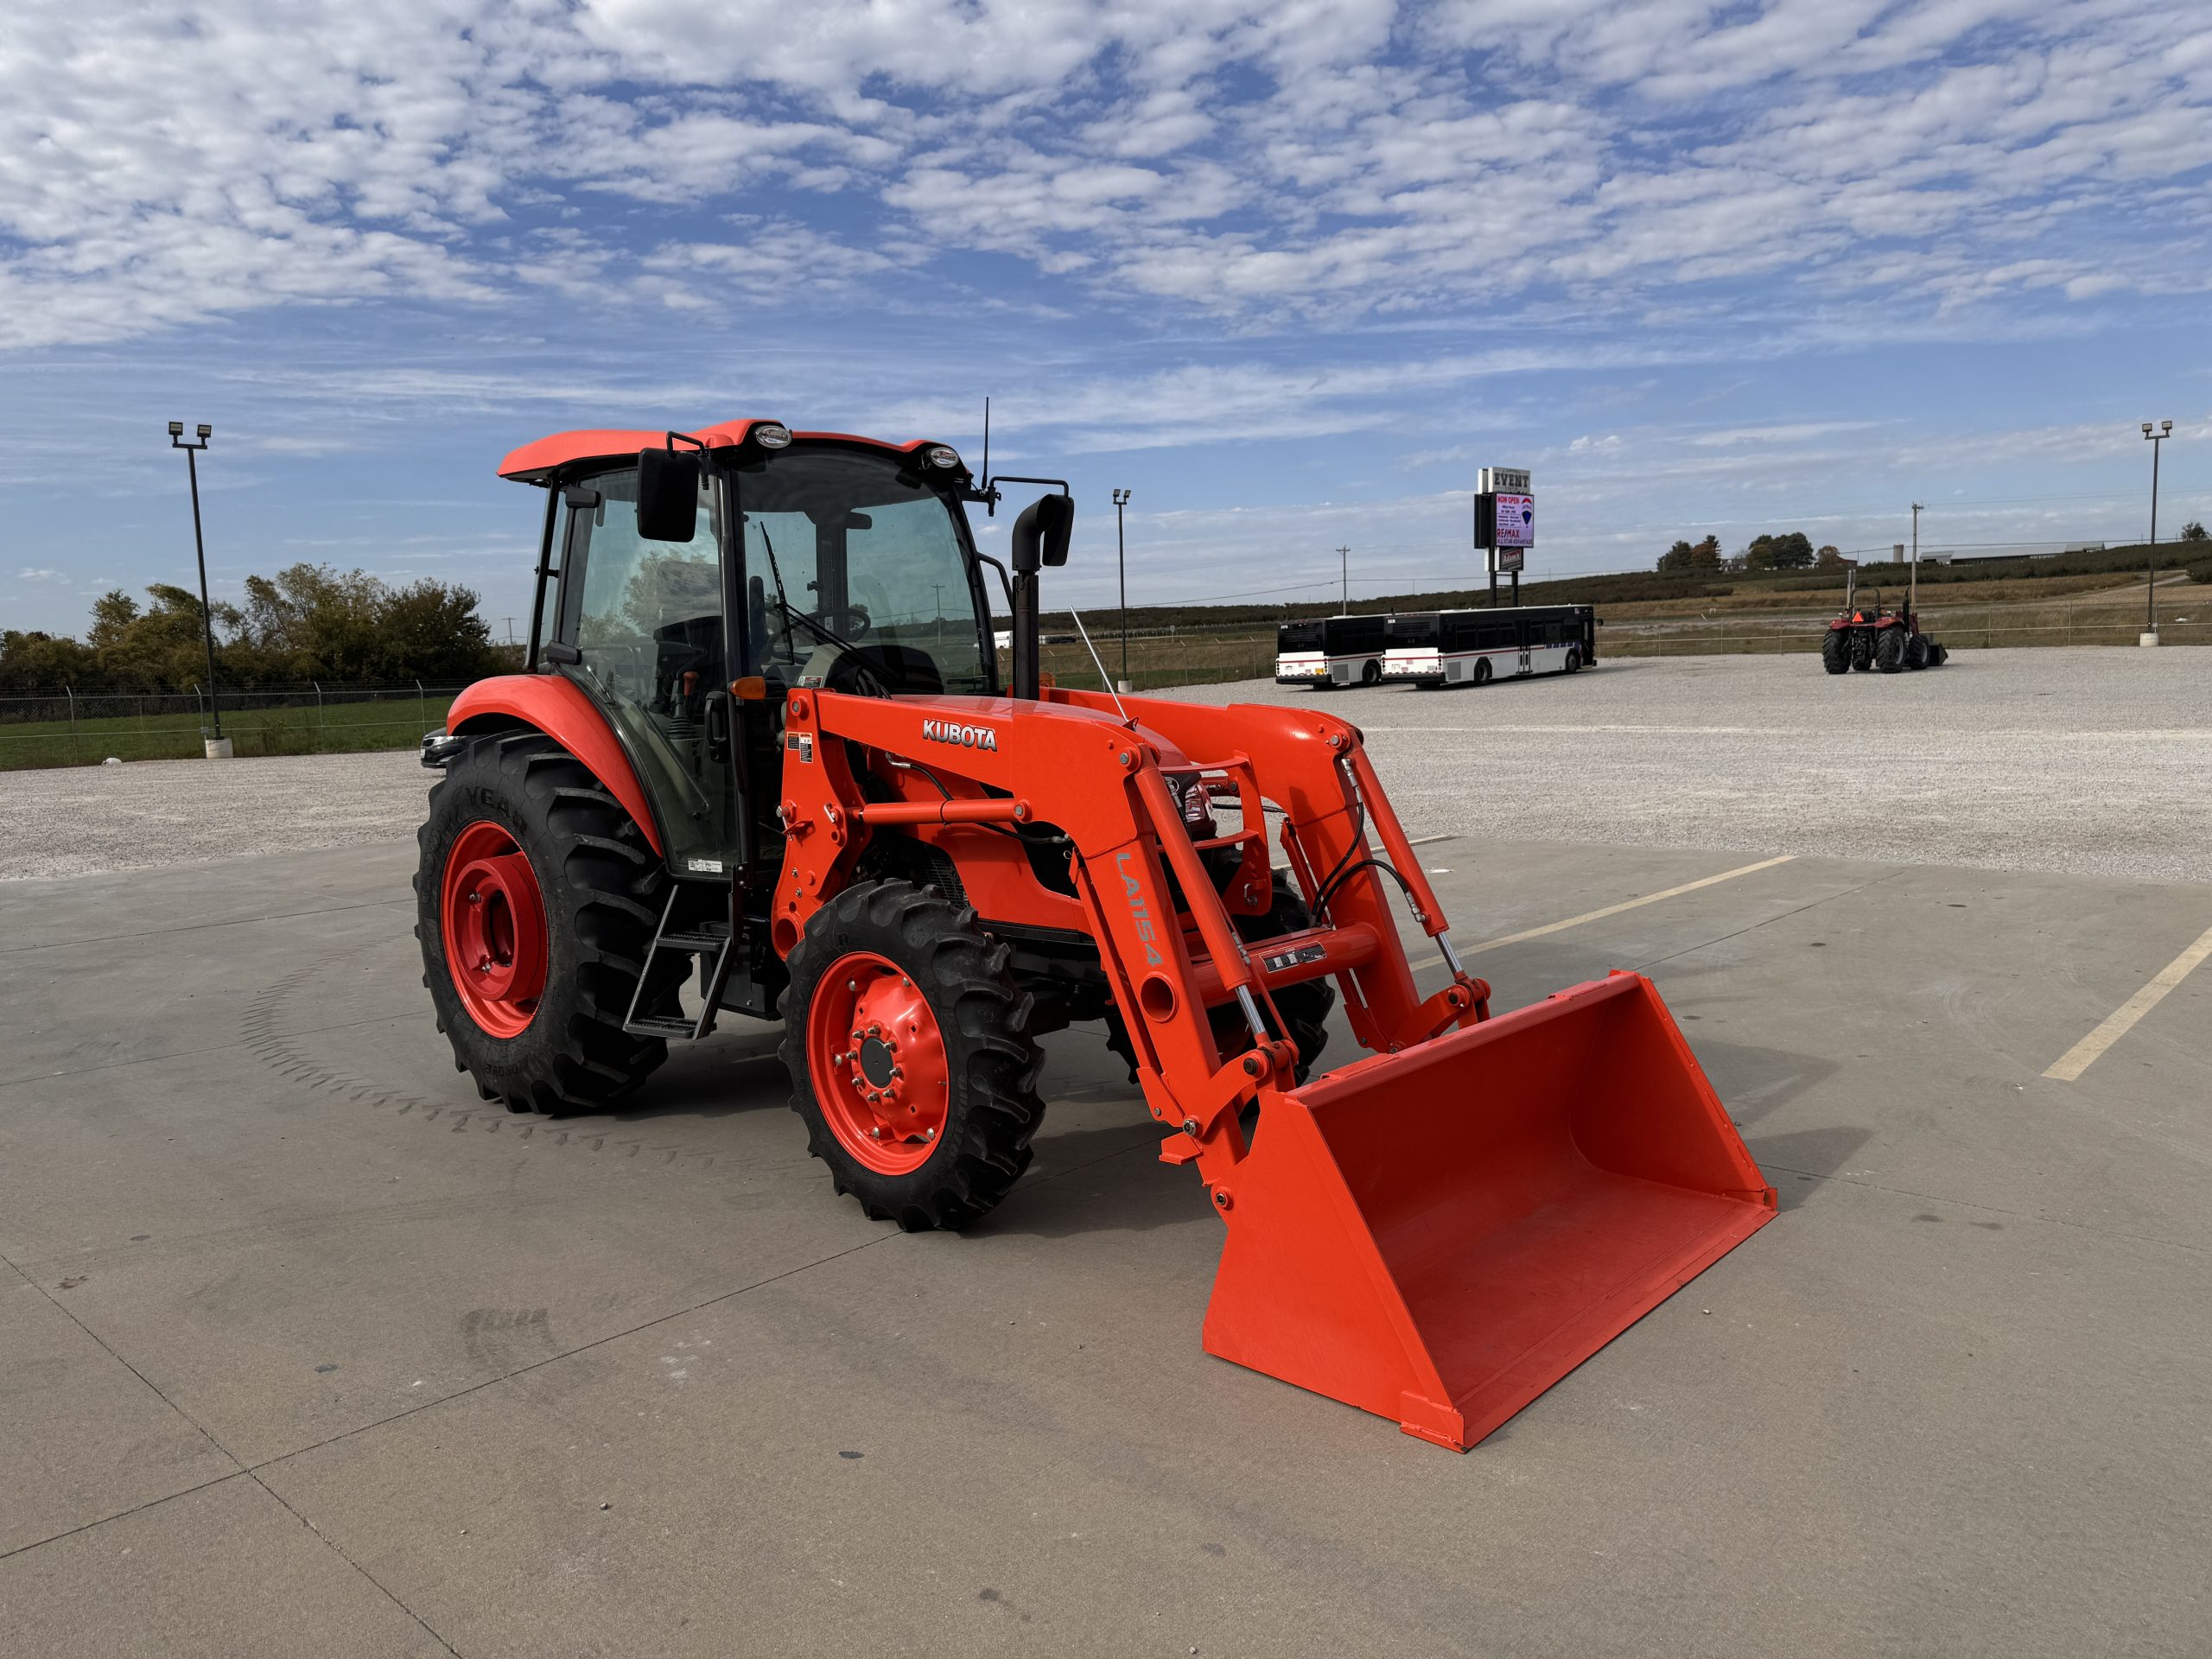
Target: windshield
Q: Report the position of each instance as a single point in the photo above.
(840, 547)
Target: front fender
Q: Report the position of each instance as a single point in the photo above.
(558, 707)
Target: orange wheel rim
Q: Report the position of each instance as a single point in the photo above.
(492, 919)
(877, 1060)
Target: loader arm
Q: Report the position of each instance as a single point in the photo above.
(1100, 780)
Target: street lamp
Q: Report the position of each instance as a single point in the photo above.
(1912, 583)
(2151, 586)
(200, 547)
(1122, 570)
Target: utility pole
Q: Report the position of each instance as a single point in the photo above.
(216, 748)
(2151, 579)
(1912, 582)
(1122, 571)
(510, 621)
(1343, 559)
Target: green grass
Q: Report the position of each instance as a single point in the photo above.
(394, 722)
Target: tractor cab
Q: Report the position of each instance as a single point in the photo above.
(690, 584)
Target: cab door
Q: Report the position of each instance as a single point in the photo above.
(647, 625)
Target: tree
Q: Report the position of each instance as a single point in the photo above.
(2193, 532)
(1683, 559)
(1792, 551)
(307, 622)
(1830, 557)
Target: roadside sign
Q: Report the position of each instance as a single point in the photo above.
(1508, 481)
(1510, 559)
(1516, 521)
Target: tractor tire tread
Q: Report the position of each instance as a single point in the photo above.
(984, 1017)
(574, 1057)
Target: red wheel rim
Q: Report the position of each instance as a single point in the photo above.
(877, 1061)
(493, 921)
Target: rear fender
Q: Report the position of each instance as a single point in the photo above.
(558, 707)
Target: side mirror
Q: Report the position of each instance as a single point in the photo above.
(668, 495)
(1040, 534)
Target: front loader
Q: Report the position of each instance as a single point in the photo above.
(763, 761)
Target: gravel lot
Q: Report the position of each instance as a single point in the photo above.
(83, 820)
(2080, 762)
(2083, 761)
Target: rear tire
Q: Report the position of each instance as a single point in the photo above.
(1482, 671)
(600, 885)
(1889, 650)
(1836, 652)
(971, 1038)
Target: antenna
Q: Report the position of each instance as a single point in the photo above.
(990, 496)
(1101, 666)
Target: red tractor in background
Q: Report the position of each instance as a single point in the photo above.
(762, 761)
(1865, 635)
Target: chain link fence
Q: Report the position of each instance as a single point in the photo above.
(67, 728)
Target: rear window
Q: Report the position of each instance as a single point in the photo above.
(1299, 636)
(1412, 630)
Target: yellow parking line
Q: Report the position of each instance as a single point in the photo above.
(2077, 1060)
(1611, 910)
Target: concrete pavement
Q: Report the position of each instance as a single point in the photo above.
(302, 1349)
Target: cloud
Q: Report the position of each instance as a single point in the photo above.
(162, 164)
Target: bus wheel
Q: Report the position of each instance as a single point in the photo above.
(1482, 671)
(1371, 674)
(1574, 661)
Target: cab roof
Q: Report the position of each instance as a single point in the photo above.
(534, 462)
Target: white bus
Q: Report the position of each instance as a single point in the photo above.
(1331, 650)
(1474, 647)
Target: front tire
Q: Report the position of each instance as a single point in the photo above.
(536, 899)
(1889, 650)
(1482, 671)
(910, 1060)
(1836, 652)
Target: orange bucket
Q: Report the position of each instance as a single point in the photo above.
(1438, 1235)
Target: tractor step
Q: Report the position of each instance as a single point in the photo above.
(709, 940)
(711, 936)
(661, 1024)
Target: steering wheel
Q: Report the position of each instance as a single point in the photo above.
(856, 675)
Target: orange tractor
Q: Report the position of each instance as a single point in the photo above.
(762, 760)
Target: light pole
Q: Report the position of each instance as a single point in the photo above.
(1344, 561)
(1912, 582)
(1122, 571)
(199, 548)
(2151, 583)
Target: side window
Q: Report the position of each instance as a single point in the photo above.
(647, 618)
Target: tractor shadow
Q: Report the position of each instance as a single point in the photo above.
(730, 1073)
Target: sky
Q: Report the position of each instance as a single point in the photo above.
(1289, 273)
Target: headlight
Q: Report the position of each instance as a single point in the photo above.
(942, 456)
(771, 435)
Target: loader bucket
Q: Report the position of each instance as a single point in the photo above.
(1438, 1235)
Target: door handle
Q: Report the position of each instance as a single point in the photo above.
(718, 710)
